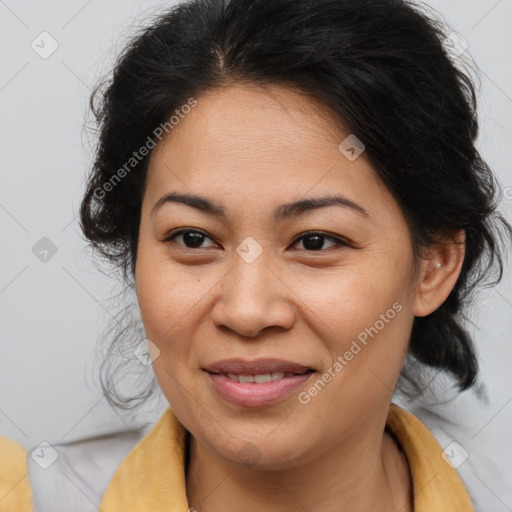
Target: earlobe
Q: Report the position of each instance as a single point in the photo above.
(439, 271)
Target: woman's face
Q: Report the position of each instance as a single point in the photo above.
(251, 284)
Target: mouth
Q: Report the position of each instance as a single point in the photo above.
(257, 367)
(257, 383)
(260, 378)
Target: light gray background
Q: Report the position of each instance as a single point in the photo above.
(52, 313)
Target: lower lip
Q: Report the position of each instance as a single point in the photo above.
(252, 394)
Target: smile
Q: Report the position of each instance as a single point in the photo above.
(259, 378)
(258, 390)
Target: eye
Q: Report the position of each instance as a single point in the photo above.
(311, 241)
(189, 238)
(314, 241)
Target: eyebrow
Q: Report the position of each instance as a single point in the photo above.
(281, 213)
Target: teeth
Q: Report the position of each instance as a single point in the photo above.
(265, 377)
(261, 378)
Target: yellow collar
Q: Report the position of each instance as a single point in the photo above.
(152, 476)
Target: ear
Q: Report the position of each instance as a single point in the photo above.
(438, 273)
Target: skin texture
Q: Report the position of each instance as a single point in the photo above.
(252, 149)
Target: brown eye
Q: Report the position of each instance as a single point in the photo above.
(189, 238)
(314, 241)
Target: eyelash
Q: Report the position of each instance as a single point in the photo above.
(338, 241)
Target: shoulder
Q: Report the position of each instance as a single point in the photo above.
(71, 475)
(75, 474)
(437, 485)
(15, 492)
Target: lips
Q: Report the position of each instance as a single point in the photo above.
(257, 383)
(257, 367)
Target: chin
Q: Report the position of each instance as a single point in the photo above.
(261, 453)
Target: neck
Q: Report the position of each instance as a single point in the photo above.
(363, 472)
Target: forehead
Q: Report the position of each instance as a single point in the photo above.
(258, 142)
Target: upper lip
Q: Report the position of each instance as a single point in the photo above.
(256, 366)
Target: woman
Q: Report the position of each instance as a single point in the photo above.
(294, 191)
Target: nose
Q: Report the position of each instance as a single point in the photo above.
(252, 298)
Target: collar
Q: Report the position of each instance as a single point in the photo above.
(152, 476)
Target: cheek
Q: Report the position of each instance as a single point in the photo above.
(363, 316)
(157, 298)
(165, 299)
(173, 302)
(348, 301)
(162, 291)
(366, 359)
